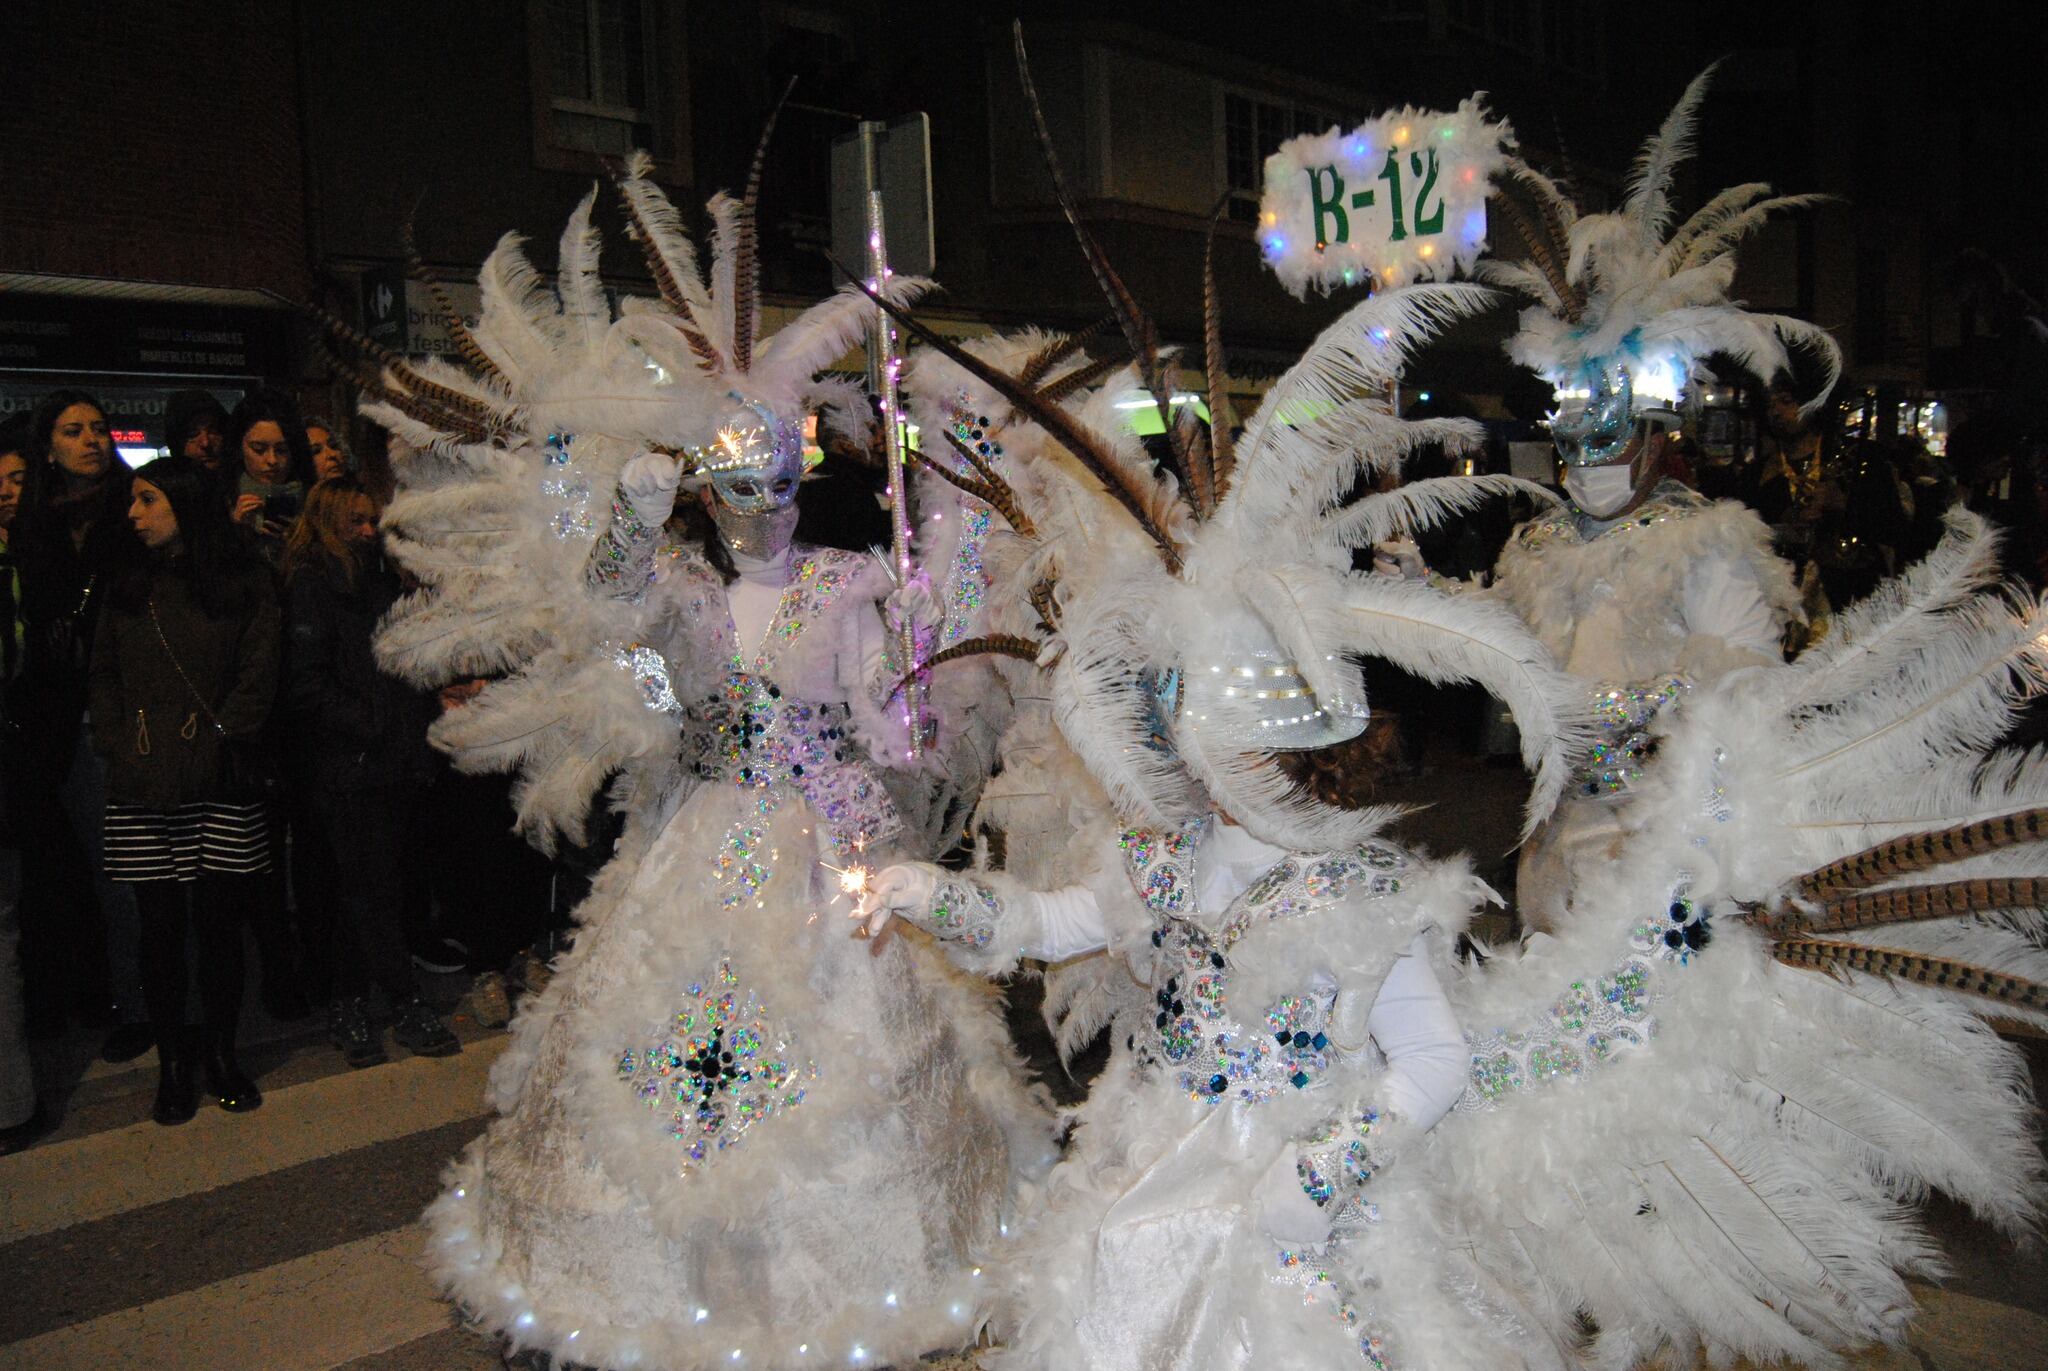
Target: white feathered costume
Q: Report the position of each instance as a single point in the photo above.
(1678, 590)
(1250, 964)
(728, 1134)
(1695, 1122)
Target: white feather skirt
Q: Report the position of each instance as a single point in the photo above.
(865, 1169)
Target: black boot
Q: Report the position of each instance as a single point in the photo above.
(177, 1092)
(224, 1077)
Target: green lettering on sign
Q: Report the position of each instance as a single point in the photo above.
(1329, 206)
(1425, 220)
(1391, 174)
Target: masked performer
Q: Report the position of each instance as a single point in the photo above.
(1639, 585)
(1694, 1123)
(727, 1136)
(1280, 1028)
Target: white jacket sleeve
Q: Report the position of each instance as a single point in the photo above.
(1412, 1022)
(1724, 604)
(986, 921)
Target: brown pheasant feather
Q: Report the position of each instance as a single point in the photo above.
(1058, 425)
(701, 346)
(367, 380)
(401, 371)
(1919, 851)
(1823, 954)
(1080, 378)
(997, 496)
(465, 343)
(1909, 904)
(1048, 609)
(987, 645)
(1058, 350)
(746, 260)
(376, 382)
(1139, 331)
(1541, 254)
(1220, 455)
(975, 460)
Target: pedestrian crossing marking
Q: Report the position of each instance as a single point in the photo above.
(111, 1172)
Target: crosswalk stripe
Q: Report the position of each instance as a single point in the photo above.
(311, 1314)
(60, 1184)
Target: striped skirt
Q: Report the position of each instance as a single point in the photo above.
(207, 836)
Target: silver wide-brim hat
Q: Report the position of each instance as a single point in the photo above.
(1262, 703)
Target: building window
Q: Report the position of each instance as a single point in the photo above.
(1253, 130)
(598, 75)
(607, 78)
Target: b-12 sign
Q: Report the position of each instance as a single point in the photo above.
(1402, 198)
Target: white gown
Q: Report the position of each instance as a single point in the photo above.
(1643, 608)
(732, 1135)
(1151, 1252)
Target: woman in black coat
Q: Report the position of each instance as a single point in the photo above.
(184, 673)
(359, 739)
(71, 526)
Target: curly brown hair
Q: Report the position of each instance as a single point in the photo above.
(1343, 775)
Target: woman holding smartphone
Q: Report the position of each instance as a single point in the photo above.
(267, 440)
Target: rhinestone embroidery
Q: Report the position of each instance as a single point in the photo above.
(749, 734)
(1589, 1025)
(1286, 1047)
(965, 911)
(649, 670)
(718, 1068)
(1622, 743)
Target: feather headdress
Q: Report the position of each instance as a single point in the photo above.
(512, 460)
(1625, 300)
(1232, 555)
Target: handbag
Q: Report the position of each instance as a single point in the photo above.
(248, 766)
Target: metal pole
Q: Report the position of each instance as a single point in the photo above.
(884, 366)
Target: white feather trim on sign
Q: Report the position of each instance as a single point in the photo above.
(1400, 198)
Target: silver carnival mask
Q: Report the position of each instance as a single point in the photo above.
(1598, 432)
(753, 459)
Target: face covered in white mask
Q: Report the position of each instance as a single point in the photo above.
(1601, 491)
(1610, 446)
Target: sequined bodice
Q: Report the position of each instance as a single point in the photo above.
(748, 732)
(752, 736)
(1213, 1048)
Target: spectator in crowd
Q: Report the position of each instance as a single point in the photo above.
(327, 448)
(361, 740)
(184, 673)
(1866, 517)
(196, 426)
(268, 439)
(70, 528)
(22, 1115)
(273, 469)
(1792, 457)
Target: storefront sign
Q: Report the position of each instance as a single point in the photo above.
(1402, 198)
(67, 333)
(401, 314)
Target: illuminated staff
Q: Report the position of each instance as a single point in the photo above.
(885, 364)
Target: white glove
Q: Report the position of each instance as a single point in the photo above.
(915, 601)
(1399, 557)
(906, 887)
(1283, 1210)
(649, 484)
